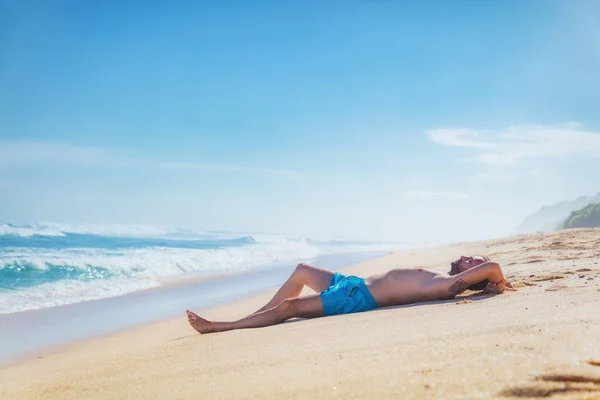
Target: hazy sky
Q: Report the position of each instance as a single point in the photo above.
(423, 120)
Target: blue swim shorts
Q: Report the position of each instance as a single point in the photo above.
(345, 295)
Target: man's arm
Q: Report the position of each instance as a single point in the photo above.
(489, 270)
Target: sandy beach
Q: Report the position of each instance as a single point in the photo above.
(542, 340)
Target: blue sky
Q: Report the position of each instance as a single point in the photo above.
(426, 121)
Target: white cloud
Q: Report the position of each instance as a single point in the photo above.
(516, 143)
(419, 194)
(460, 138)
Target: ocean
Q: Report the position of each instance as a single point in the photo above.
(47, 265)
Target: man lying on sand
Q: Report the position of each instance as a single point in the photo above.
(340, 294)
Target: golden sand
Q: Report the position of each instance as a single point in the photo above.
(541, 341)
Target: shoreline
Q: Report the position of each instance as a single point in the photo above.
(142, 307)
(474, 346)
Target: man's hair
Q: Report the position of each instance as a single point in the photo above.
(476, 286)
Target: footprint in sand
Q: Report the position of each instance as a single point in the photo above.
(548, 385)
(528, 284)
(548, 278)
(536, 260)
(557, 287)
(573, 378)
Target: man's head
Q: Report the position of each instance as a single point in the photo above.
(466, 263)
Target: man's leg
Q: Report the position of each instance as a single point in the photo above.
(317, 279)
(309, 306)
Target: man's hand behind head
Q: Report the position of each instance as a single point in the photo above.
(496, 288)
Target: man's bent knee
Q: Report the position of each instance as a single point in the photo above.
(302, 266)
(301, 269)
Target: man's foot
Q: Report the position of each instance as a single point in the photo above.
(200, 324)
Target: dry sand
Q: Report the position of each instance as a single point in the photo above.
(540, 341)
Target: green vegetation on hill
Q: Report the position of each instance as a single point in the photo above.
(551, 217)
(587, 217)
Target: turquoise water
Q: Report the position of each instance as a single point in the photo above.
(48, 265)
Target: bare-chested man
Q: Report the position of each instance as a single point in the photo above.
(339, 294)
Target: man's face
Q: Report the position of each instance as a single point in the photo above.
(466, 263)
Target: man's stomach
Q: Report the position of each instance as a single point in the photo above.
(405, 286)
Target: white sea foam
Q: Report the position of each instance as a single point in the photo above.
(134, 269)
(69, 292)
(169, 261)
